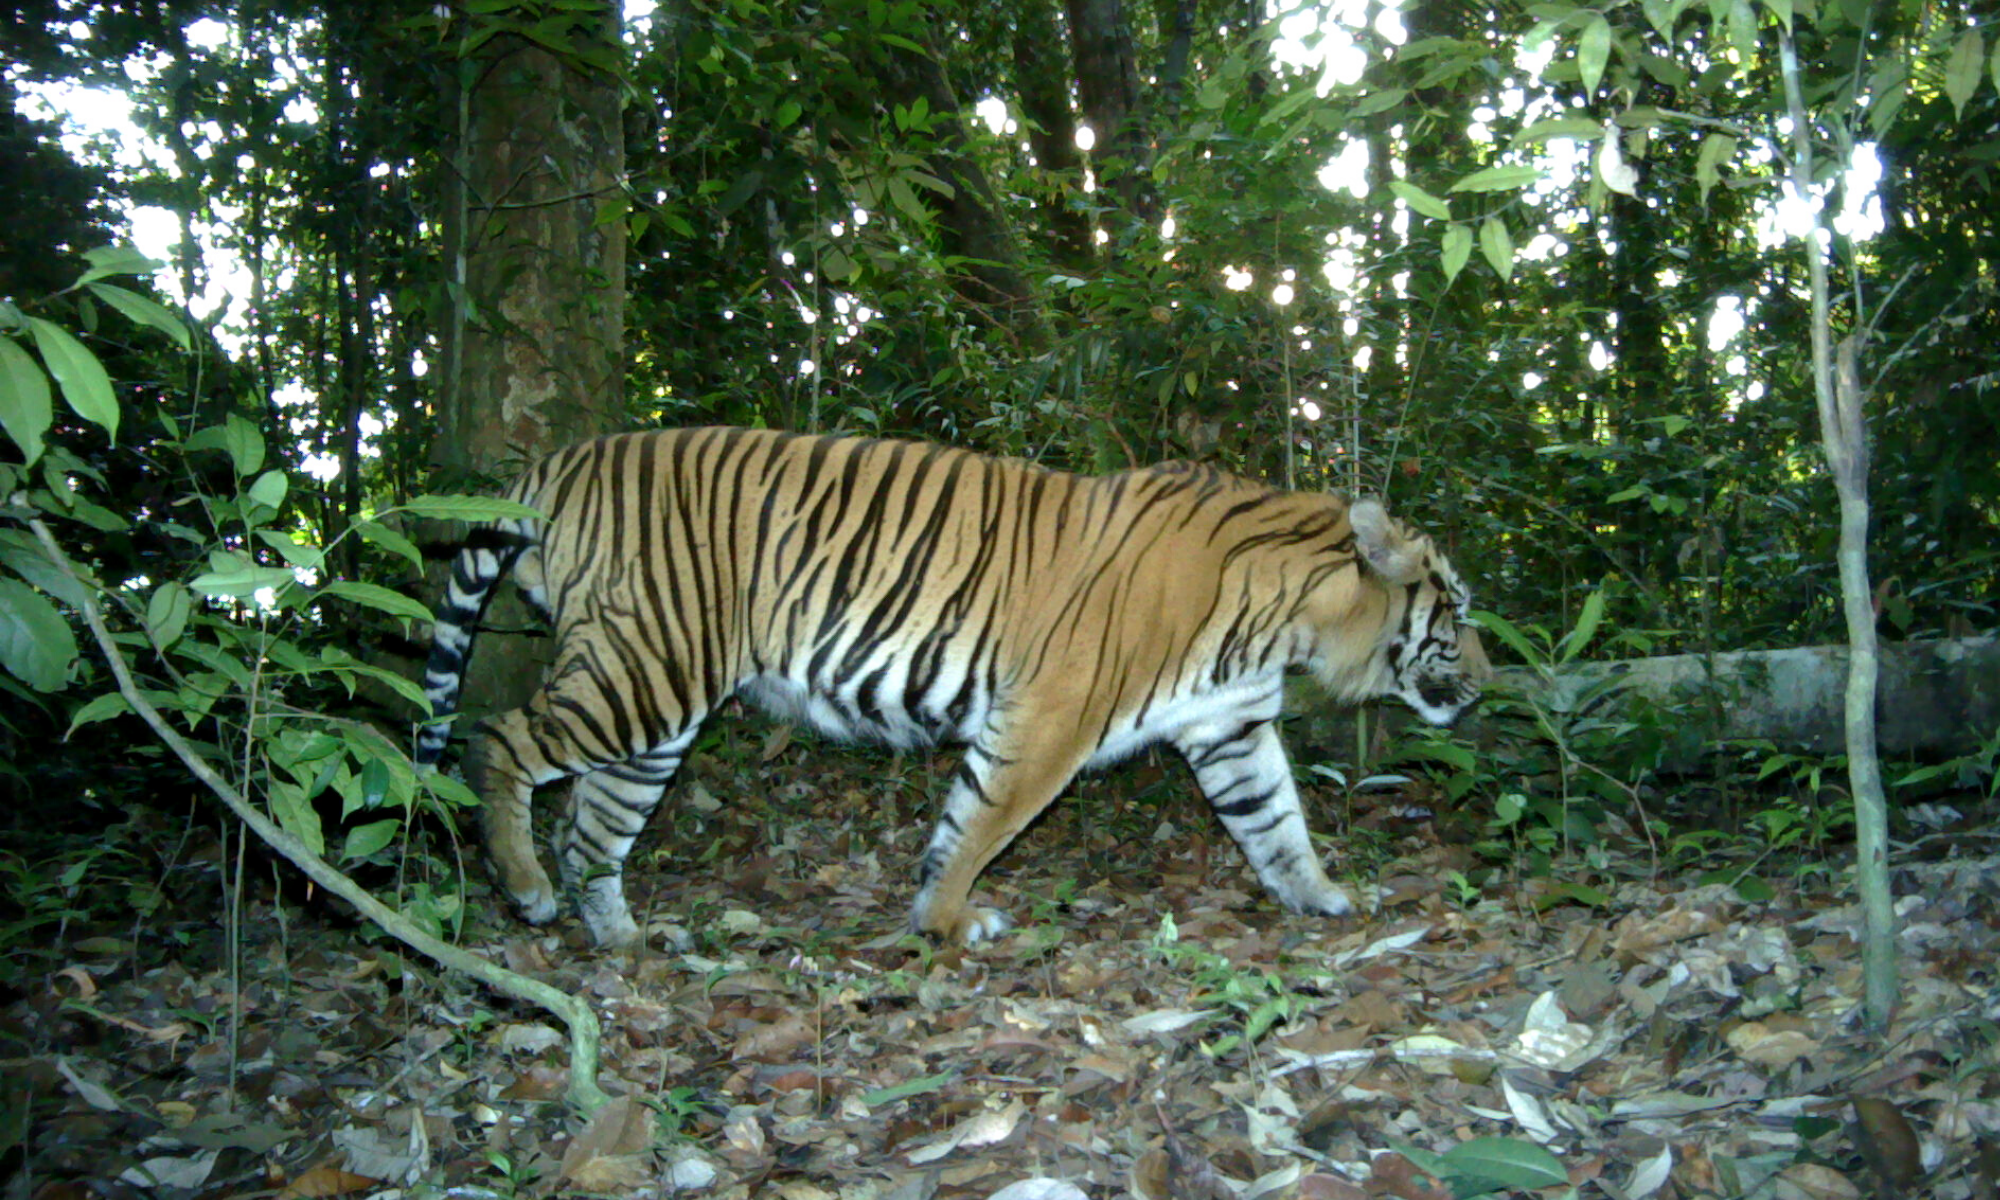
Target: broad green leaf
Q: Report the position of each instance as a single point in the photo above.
(104, 708)
(905, 199)
(296, 814)
(143, 311)
(377, 534)
(1288, 104)
(1583, 129)
(1510, 637)
(1781, 9)
(1497, 245)
(167, 613)
(1457, 249)
(1498, 179)
(409, 689)
(451, 792)
(1420, 200)
(81, 376)
(1587, 622)
(788, 113)
(1509, 1162)
(245, 444)
(466, 508)
(116, 260)
(26, 410)
(365, 840)
(1996, 66)
(1716, 149)
(1743, 30)
(36, 644)
(1380, 101)
(294, 553)
(378, 597)
(1593, 51)
(24, 556)
(270, 489)
(1661, 14)
(1962, 69)
(242, 582)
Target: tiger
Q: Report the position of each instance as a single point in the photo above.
(921, 595)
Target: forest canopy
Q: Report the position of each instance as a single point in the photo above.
(1532, 272)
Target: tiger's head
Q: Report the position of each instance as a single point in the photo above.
(1427, 654)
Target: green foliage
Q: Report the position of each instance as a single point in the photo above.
(237, 647)
(1260, 998)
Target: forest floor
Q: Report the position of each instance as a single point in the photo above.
(1154, 1026)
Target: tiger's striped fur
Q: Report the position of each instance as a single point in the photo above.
(918, 594)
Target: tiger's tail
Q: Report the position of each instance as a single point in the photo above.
(488, 553)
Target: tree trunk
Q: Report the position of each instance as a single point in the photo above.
(971, 222)
(535, 242)
(1107, 89)
(1041, 84)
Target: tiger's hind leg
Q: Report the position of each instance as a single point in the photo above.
(1244, 773)
(609, 808)
(617, 787)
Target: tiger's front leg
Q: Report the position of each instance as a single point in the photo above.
(1243, 770)
(992, 798)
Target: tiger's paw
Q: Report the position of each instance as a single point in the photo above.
(536, 908)
(977, 925)
(967, 925)
(1317, 898)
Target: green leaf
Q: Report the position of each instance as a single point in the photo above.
(913, 1087)
(36, 645)
(167, 613)
(1583, 129)
(116, 260)
(1996, 66)
(26, 410)
(1743, 30)
(1498, 179)
(1962, 69)
(1379, 101)
(241, 581)
(378, 534)
(1716, 149)
(1586, 626)
(294, 553)
(409, 689)
(296, 814)
(378, 597)
(1593, 51)
(270, 489)
(788, 114)
(1457, 249)
(465, 508)
(142, 311)
(1420, 200)
(1661, 15)
(245, 443)
(84, 384)
(1511, 637)
(104, 708)
(1497, 245)
(365, 840)
(1781, 9)
(1508, 1162)
(24, 556)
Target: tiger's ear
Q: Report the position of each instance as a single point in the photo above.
(1388, 550)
